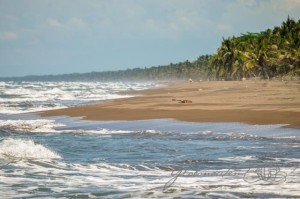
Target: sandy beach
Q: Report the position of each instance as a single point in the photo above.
(253, 102)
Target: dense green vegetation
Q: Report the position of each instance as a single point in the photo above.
(271, 53)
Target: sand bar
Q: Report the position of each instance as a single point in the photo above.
(253, 102)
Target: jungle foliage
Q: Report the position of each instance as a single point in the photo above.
(271, 53)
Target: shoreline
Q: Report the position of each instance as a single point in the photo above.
(252, 102)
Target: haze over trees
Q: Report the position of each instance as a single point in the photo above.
(270, 53)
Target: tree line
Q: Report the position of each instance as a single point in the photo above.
(177, 71)
(270, 53)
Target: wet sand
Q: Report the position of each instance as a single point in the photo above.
(253, 102)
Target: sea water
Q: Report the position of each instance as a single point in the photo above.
(62, 157)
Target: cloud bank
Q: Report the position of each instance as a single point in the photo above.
(62, 36)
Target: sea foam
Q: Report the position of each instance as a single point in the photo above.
(24, 149)
(23, 97)
(40, 125)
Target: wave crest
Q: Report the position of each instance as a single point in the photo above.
(41, 125)
(24, 149)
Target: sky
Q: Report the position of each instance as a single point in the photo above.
(39, 37)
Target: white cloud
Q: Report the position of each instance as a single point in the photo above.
(249, 3)
(53, 23)
(77, 23)
(72, 24)
(289, 4)
(241, 16)
(8, 36)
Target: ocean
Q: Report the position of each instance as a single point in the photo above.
(63, 157)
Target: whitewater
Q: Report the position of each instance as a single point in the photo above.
(63, 157)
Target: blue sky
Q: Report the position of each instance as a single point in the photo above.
(66, 36)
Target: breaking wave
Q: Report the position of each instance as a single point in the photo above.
(40, 125)
(23, 97)
(25, 149)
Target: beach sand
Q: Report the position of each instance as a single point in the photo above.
(253, 102)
